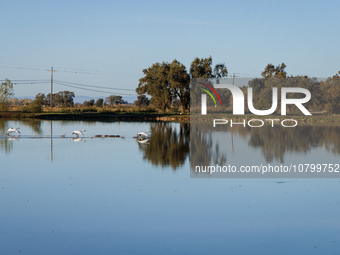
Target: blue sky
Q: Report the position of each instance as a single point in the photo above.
(109, 43)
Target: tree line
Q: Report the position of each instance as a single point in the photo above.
(168, 84)
(325, 94)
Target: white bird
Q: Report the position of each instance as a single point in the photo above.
(143, 135)
(13, 130)
(78, 133)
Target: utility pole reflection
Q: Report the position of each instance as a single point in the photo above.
(51, 142)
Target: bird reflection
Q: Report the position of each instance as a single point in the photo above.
(78, 139)
(13, 138)
(146, 141)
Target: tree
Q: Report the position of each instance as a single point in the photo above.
(165, 82)
(179, 80)
(114, 100)
(40, 99)
(99, 102)
(271, 71)
(62, 98)
(155, 83)
(142, 100)
(202, 68)
(89, 103)
(6, 92)
(332, 93)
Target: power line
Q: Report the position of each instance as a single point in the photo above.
(74, 85)
(85, 85)
(25, 83)
(24, 68)
(72, 70)
(101, 91)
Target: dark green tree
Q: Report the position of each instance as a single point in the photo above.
(202, 68)
(142, 100)
(38, 103)
(40, 99)
(114, 100)
(179, 80)
(99, 102)
(156, 84)
(271, 71)
(89, 103)
(165, 82)
(61, 99)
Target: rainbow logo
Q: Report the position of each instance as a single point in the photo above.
(209, 93)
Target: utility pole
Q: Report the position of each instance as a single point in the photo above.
(51, 99)
(233, 78)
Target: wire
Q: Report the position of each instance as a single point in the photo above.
(79, 84)
(101, 91)
(71, 70)
(71, 84)
(22, 83)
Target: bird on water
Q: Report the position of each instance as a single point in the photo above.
(78, 133)
(13, 130)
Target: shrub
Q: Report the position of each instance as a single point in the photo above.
(89, 109)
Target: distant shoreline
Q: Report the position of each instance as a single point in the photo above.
(96, 116)
(321, 119)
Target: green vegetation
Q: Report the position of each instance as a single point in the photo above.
(100, 102)
(165, 88)
(168, 84)
(164, 82)
(325, 94)
(6, 92)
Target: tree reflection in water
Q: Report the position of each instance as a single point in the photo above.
(204, 150)
(170, 143)
(7, 144)
(168, 146)
(276, 142)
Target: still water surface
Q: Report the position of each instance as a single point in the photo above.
(117, 196)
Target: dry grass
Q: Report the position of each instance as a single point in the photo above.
(86, 109)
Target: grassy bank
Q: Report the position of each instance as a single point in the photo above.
(100, 116)
(123, 115)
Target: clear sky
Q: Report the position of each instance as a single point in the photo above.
(109, 43)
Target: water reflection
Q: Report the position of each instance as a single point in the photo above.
(78, 139)
(170, 143)
(167, 145)
(6, 145)
(274, 143)
(203, 149)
